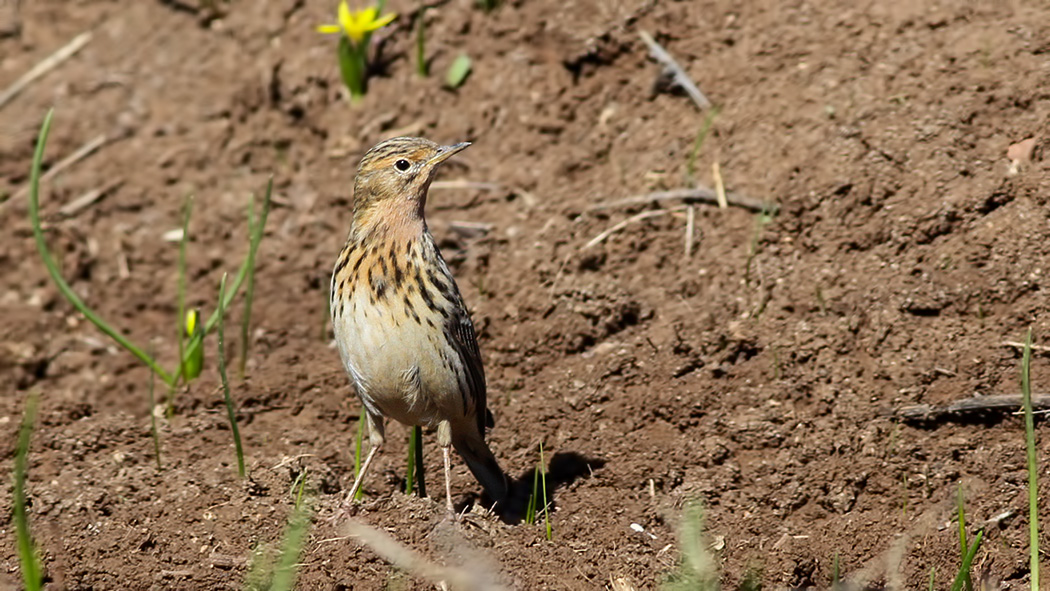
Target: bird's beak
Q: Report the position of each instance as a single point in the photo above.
(446, 152)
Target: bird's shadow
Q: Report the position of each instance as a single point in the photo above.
(564, 469)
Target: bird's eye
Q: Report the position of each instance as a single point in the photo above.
(402, 165)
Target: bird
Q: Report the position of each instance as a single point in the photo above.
(404, 335)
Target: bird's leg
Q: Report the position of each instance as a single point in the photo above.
(376, 437)
(444, 433)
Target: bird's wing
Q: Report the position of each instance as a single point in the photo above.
(465, 342)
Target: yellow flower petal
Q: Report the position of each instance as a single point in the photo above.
(384, 21)
(191, 322)
(329, 29)
(346, 19)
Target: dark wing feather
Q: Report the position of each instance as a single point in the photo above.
(465, 342)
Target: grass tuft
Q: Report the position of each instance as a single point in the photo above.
(196, 342)
(231, 413)
(32, 571)
(530, 508)
(539, 492)
(754, 247)
(263, 574)
(701, 136)
(696, 570)
(294, 538)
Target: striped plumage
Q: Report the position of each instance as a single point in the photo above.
(403, 332)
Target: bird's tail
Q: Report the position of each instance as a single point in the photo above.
(483, 465)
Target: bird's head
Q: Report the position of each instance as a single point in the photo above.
(395, 175)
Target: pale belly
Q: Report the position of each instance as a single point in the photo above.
(400, 366)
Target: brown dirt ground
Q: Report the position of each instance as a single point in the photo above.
(903, 255)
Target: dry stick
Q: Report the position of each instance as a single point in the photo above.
(690, 231)
(81, 153)
(720, 188)
(999, 403)
(634, 218)
(680, 77)
(412, 562)
(88, 199)
(48, 64)
(1016, 345)
(700, 194)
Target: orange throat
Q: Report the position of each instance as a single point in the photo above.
(398, 220)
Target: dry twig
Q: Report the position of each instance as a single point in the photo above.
(81, 153)
(700, 194)
(690, 233)
(88, 199)
(1016, 345)
(680, 77)
(634, 218)
(1001, 403)
(412, 562)
(51, 62)
(720, 188)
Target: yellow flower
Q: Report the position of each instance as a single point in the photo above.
(191, 322)
(356, 24)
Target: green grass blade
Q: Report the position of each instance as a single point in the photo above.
(421, 50)
(153, 417)
(701, 136)
(231, 293)
(180, 295)
(697, 569)
(248, 291)
(530, 510)
(933, 575)
(28, 557)
(260, 569)
(52, 266)
(230, 412)
(835, 572)
(543, 486)
(961, 511)
(299, 485)
(256, 224)
(458, 71)
(1033, 467)
(964, 568)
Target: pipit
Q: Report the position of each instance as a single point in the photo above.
(403, 332)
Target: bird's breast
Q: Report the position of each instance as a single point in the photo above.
(390, 306)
